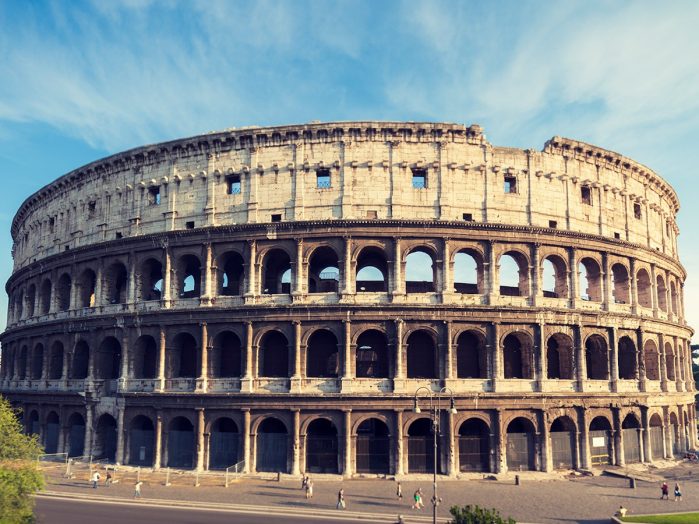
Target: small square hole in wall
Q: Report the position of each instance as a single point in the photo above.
(468, 217)
(118, 235)
(553, 224)
(637, 211)
(419, 178)
(91, 208)
(277, 218)
(617, 235)
(510, 184)
(586, 195)
(372, 214)
(189, 225)
(233, 185)
(154, 196)
(323, 178)
(66, 248)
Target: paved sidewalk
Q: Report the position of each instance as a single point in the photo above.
(585, 499)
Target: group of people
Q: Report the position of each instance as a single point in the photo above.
(96, 477)
(307, 485)
(665, 492)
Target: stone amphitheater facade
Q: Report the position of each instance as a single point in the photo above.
(276, 297)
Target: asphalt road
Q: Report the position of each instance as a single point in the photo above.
(59, 511)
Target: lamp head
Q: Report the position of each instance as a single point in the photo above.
(416, 408)
(452, 409)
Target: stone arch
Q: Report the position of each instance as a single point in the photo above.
(670, 361)
(563, 449)
(226, 355)
(372, 358)
(372, 270)
(322, 355)
(656, 434)
(45, 293)
(420, 270)
(141, 441)
(323, 271)
(105, 444)
(620, 284)
(644, 288)
(86, 286)
(661, 290)
(53, 428)
(674, 304)
(276, 272)
(272, 445)
(521, 452)
(224, 443)
(373, 445)
(322, 454)
(115, 283)
(554, 276)
(274, 355)
(22, 359)
(188, 272)
(468, 272)
(63, 290)
(31, 300)
(421, 456)
(145, 357)
(517, 355)
(231, 274)
(56, 361)
(76, 435)
(471, 355)
(651, 360)
(34, 424)
(600, 441)
(630, 434)
(627, 359)
(422, 355)
(474, 445)
(151, 280)
(559, 357)
(513, 274)
(596, 357)
(108, 359)
(81, 360)
(182, 356)
(36, 368)
(181, 443)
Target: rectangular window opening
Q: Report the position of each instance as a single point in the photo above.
(91, 208)
(637, 211)
(617, 235)
(277, 218)
(189, 225)
(323, 178)
(553, 224)
(154, 196)
(118, 235)
(510, 184)
(233, 185)
(468, 217)
(419, 178)
(372, 214)
(52, 224)
(586, 195)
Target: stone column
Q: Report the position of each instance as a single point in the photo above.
(132, 279)
(501, 448)
(537, 288)
(167, 278)
(246, 384)
(640, 360)
(584, 425)
(246, 441)
(299, 287)
(99, 284)
(448, 352)
(347, 273)
(296, 377)
(493, 348)
(447, 274)
(399, 372)
(120, 436)
(201, 424)
(202, 381)
(161, 360)
(347, 372)
(667, 433)
(125, 358)
(614, 357)
(580, 363)
(607, 297)
(634, 286)
(618, 440)
(157, 449)
(398, 438)
(491, 270)
(540, 359)
(545, 447)
(206, 275)
(87, 446)
(251, 273)
(654, 289)
(296, 452)
(574, 291)
(347, 469)
(398, 283)
(663, 363)
(451, 448)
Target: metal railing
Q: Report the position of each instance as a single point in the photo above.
(53, 457)
(235, 468)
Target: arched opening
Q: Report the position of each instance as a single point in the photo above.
(105, 444)
(53, 428)
(662, 293)
(421, 457)
(224, 443)
(231, 276)
(675, 433)
(474, 445)
(152, 280)
(34, 424)
(272, 446)
(627, 359)
(180, 444)
(274, 355)
(419, 272)
(468, 272)
(517, 356)
(471, 358)
(183, 357)
(56, 361)
(31, 300)
(226, 356)
(63, 292)
(514, 280)
(141, 441)
(76, 435)
(321, 447)
(554, 277)
(670, 361)
(115, 284)
(189, 277)
(323, 271)
(657, 437)
(277, 273)
(81, 360)
(644, 289)
(145, 357)
(521, 452)
(22, 363)
(651, 359)
(322, 355)
(631, 436)
(620, 284)
(559, 357)
(596, 358)
(600, 441)
(108, 359)
(372, 355)
(372, 270)
(373, 447)
(37, 362)
(673, 298)
(422, 356)
(19, 305)
(45, 297)
(563, 443)
(86, 285)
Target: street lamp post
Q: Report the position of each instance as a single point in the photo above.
(435, 410)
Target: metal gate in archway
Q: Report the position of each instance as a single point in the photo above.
(600, 447)
(520, 451)
(632, 445)
(223, 450)
(421, 454)
(76, 446)
(563, 449)
(675, 441)
(474, 452)
(321, 454)
(271, 452)
(141, 447)
(657, 448)
(373, 454)
(52, 430)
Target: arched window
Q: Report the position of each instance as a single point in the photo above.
(22, 363)
(105, 443)
(322, 355)
(45, 297)
(373, 447)
(554, 277)
(422, 356)
(272, 445)
(63, 292)
(81, 359)
(108, 359)
(596, 358)
(517, 353)
(56, 361)
(513, 274)
(631, 437)
(180, 444)
(141, 441)
(224, 444)
(31, 298)
(372, 355)
(590, 281)
(231, 274)
(323, 271)
(274, 355)
(372, 270)
(277, 273)
(183, 357)
(471, 355)
(321, 447)
(151, 280)
(620, 283)
(563, 433)
(645, 291)
(651, 360)
(145, 357)
(37, 362)
(189, 276)
(673, 298)
(86, 288)
(468, 272)
(559, 357)
(419, 272)
(627, 359)
(670, 361)
(226, 355)
(115, 284)
(662, 293)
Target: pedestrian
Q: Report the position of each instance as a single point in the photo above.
(309, 489)
(304, 481)
(621, 512)
(137, 489)
(341, 499)
(399, 491)
(108, 479)
(417, 498)
(664, 489)
(678, 492)
(95, 479)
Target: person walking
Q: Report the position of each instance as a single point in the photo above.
(304, 481)
(108, 479)
(664, 491)
(678, 492)
(341, 499)
(309, 489)
(95, 479)
(137, 489)
(399, 491)
(417, 499)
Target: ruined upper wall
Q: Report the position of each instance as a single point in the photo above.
(185, 183)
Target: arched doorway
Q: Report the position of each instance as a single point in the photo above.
(274, 355)
(521, 451)
(81, 361)
(321, 447)
(675, 433)
(145, 358)
(223, 450)
(105, 439)
(272, 446)
(322, 355)
(182, 357)
(600, 441)
(372, 355)
(657, 437)
(52, 429)
(372, 271)
(421, 356)
(373, 447)
(34, 424)
(517, 355)
(631, 436)
(596, 358)
(141, 441)
(108, 359)
(421, 447)
(471, 359)
(180, 444)
(323, 271)
(627, 359)
(474, 446)
(559, 357)
(76, 435)
(563, 443)
(226, 356)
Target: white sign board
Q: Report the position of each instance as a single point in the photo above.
(598, 442)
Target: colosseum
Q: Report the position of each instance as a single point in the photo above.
(292, 298)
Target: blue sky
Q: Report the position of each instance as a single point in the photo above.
(81, 80)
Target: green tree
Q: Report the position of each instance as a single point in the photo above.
(477, 515)
(19, 475)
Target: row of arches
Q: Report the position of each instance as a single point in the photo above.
(374, 357)
(370, 266)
